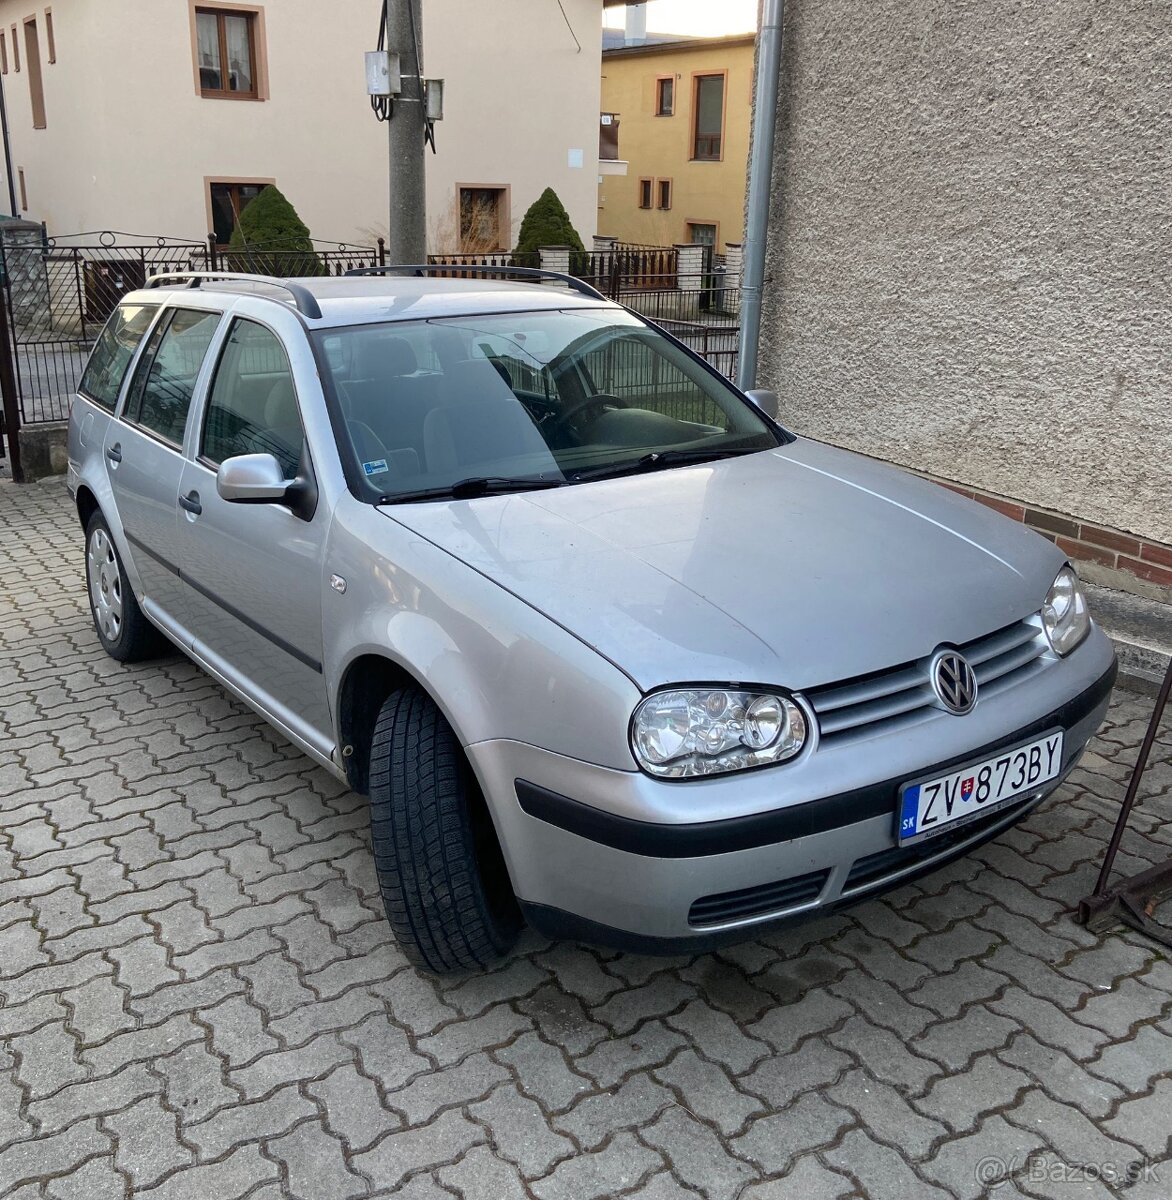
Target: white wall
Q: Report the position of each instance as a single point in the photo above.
(129, 143)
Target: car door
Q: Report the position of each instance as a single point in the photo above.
(252, 573)
(144, 453)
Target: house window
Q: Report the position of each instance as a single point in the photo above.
(3, 53)
(36, 89)
(50, 43)
(709, 126)
(645, 191)
(664, 194)
(608, 137)
(701, 233)
(227, 203)
(226, 53)
(23, 193)
(482, 219)
(665, 96)
(15, 51)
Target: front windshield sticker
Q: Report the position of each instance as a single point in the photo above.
(378, 467)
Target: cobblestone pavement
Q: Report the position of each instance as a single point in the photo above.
(201, 998)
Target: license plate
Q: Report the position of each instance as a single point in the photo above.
(935, 805)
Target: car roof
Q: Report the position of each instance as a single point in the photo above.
(358, 299)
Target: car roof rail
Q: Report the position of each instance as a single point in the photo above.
(303, 299)
(536, 273)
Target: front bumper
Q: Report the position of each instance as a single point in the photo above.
(623, 859)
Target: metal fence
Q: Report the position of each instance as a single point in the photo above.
(58, 292)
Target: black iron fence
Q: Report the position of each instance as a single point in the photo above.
(58, 292)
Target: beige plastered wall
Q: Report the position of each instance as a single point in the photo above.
(661, 147)
(970, 253)
(129, 142)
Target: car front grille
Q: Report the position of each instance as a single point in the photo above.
(775, 897)
(902, 695)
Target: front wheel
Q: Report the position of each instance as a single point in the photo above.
(443, 879)
(123, 630)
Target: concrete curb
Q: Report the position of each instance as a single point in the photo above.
(1141, 630)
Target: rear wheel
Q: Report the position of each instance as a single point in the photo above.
(123, 630)
(443, 879)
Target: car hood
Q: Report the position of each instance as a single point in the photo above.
(798, 566)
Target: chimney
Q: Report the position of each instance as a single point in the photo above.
(636, 33)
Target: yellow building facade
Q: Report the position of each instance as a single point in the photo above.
(682, 111)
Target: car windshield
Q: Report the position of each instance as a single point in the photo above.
(466, 406)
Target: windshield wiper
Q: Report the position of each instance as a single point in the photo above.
(469, 489)
(657, 460)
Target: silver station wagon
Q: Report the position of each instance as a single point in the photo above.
(609, 650)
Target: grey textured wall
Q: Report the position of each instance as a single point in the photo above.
(970, 258)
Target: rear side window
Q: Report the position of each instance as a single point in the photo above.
(115, 347)
(253, 405)
(164, 381)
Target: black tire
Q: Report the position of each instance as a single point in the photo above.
(121, 626)
(443, 879)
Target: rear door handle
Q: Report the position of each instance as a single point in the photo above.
(114, 452)
(190, 503)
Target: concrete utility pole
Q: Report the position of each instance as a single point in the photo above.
(407, 242)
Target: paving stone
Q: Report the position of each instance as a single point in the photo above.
(240, 1123)
(955, 1043)
(663, 1186)
(880, 1170)
(521, 1131)
(1063, 1079)
(635, 1103)
(315, 1164)
(717, 1036)
(1049, 1024)
(354, 1110)
(886, 1114)
(961, 1100)
(707, 1091)
(235, 1175)
(384, 1052)
(147, 1145)
(886, 1056)
(810, 1179)
(609, 1062)
(471, 1079)
(94, 1180)
(93, 1096)
(402, 1154)
(980, 1163)
(48, 1060)
(1143, 1120)
(34, 1159)
(777, 1140)
(623, 1163)
(544, 1074)
(780, 1079)
(316, 1059)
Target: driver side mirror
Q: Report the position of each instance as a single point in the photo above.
(766, 400)
(252, 479)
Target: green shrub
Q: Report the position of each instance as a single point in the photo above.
(548, 224)
(271, 239)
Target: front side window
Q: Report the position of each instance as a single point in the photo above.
(115, 347)
(252, 408)
(164, 381)
(709, 126)
(528, 399)
(226, 53)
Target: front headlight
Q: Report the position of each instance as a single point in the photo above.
(687, 732)
(1065, 616)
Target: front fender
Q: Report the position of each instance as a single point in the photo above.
(496, 667)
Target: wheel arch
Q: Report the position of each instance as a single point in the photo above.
(87, 505)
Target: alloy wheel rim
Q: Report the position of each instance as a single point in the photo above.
(105, 585)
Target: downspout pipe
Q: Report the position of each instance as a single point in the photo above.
(765, 89)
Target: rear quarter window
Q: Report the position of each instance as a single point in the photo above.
(115, 347)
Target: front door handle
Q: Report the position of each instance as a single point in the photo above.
(190, 503)
(114, 452)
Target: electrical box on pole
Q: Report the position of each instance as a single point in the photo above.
(384, 76)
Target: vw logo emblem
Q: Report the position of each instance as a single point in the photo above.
(953, 682)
